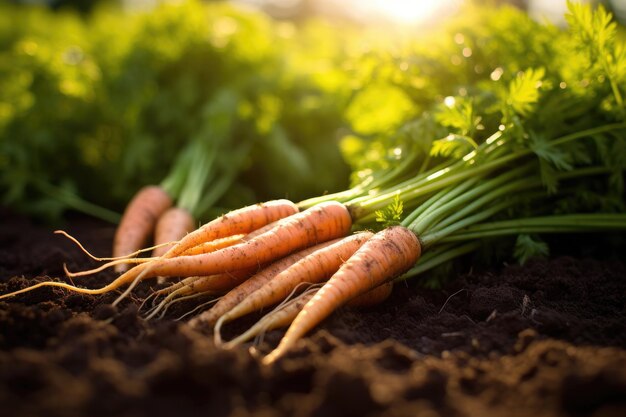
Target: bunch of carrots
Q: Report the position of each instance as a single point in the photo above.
(513, 176)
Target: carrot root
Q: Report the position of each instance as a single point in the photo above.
(384, 256)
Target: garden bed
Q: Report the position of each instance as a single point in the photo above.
(544, 339)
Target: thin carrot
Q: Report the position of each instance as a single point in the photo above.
(138, 221)
(384, 256)
(220, 283)
(220, 243)
(214, 245)
(239, 293)
(284, 314)
(316, 267)
(172, 226)
(209, 285)
(320, 223)
(244, 220)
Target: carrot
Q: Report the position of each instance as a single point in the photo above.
(172, 226)
(316, 267)
(209, 285)
(372, 297)
(239, 293)
(214, 245)
(320, 223)
(138, 221)
(243, 220)
(284, 314)
(384, 256)
(220, 283)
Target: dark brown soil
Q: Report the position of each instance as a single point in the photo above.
(545, 339)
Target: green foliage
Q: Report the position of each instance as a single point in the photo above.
(594, 35)
(452, 145)
(100, 105)
(522, 94)
(527, 247)
(392, 214)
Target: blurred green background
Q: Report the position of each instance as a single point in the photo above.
(98, 98)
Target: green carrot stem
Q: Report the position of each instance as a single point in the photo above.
(546, 224)
(175, 179)
(450, 208)
(76, 203)
(431, 237)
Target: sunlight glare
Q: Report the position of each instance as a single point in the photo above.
(408, 11)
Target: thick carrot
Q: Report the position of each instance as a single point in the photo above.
(313, 268)
(244, 220)
(384, 256)
(172, 226)
(320, 223)
(138, 221)
(239, 293)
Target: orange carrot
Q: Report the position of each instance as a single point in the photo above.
(372, 297)
(319, 223)
(313, 268)
(284, 314)
(218, 283)
(210, 285)
(239, 293)
(138, 221)
(172, 226)
(244, 220)
(214, 245)
(384, 256)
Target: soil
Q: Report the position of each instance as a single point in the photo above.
(545, 339)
